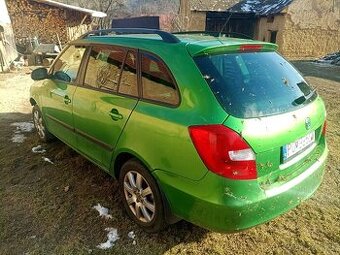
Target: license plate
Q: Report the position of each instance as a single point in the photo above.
(294, 148)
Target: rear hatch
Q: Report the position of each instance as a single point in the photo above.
(269, 104)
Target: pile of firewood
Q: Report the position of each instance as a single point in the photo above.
(31, 19)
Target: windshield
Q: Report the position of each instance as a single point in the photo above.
(254, 84)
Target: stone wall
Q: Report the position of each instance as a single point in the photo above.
(311, 29)
(265, 25)
(188, 19)
(197, 21)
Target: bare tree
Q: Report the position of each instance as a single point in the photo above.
(113, 8)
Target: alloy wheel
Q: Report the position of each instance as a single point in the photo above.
(38, 123)
(139, 196)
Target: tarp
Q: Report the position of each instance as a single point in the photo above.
(151, 22)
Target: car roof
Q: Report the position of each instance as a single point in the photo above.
(196, 44)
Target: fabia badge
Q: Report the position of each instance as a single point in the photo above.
(308, 123)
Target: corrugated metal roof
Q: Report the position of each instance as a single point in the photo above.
(260, 7)
(93, 13)
(212, 5)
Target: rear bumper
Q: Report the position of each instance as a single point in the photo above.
(223, 205)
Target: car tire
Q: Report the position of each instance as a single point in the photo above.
(39, 124)
(141, 196)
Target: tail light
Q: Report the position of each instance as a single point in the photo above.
(224, 152)
(324, 128)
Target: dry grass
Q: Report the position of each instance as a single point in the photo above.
(37, 216)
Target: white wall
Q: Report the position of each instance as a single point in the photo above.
(7, 42)
(4, 17)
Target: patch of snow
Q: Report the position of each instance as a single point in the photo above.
(18, 138)
(246, 8)
(103, 211)
(134, 242)
(131, 235)
(260, 7)
(23, 126)
(112, 237)
(38, 149)
(47, 160)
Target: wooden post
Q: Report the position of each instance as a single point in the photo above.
(2, 62)
(59, 42)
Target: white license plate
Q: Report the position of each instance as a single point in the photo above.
(294, 148)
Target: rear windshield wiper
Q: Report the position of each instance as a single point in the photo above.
(300, 100)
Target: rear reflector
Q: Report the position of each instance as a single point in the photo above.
(251, 47)
(224, 152)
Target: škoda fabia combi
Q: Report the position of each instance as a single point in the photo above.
(219, 131)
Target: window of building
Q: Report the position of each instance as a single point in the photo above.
(128, 81)
(157, 81)
(104, 67)
(270, 19)
(67, 66)
(273, 35)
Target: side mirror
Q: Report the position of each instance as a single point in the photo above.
(61, 76)
(39, 74)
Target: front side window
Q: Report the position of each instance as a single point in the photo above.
(157, 82)
(67, 65)
(104, 67)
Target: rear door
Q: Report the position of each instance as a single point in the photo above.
(60, 88)
(103, 104)
(271, 106)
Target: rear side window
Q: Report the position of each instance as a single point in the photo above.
(255, 84)
(128, 80)
(157, 82)
(67, 65)
(104, 67)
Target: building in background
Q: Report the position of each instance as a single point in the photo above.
(193, 13)
(301, 28)
(50, 21)
(7, 44)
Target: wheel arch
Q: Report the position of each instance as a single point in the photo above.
(33, 101)
(123, 157)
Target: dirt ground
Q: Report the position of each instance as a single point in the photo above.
(47, 208)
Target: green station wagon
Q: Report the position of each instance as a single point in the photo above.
(222, 132)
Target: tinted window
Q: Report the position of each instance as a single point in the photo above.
(104, 67)
(157, 82)
(128, 81)
(66, 67)
(255, 84)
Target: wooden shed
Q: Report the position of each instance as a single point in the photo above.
(50, 21)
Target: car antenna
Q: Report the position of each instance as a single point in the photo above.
(224, 25)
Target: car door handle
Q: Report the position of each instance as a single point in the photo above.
(115, 115)
(67, 100)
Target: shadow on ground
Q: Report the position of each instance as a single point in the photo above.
(47, 209)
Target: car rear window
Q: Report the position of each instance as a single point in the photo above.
(254, 84)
